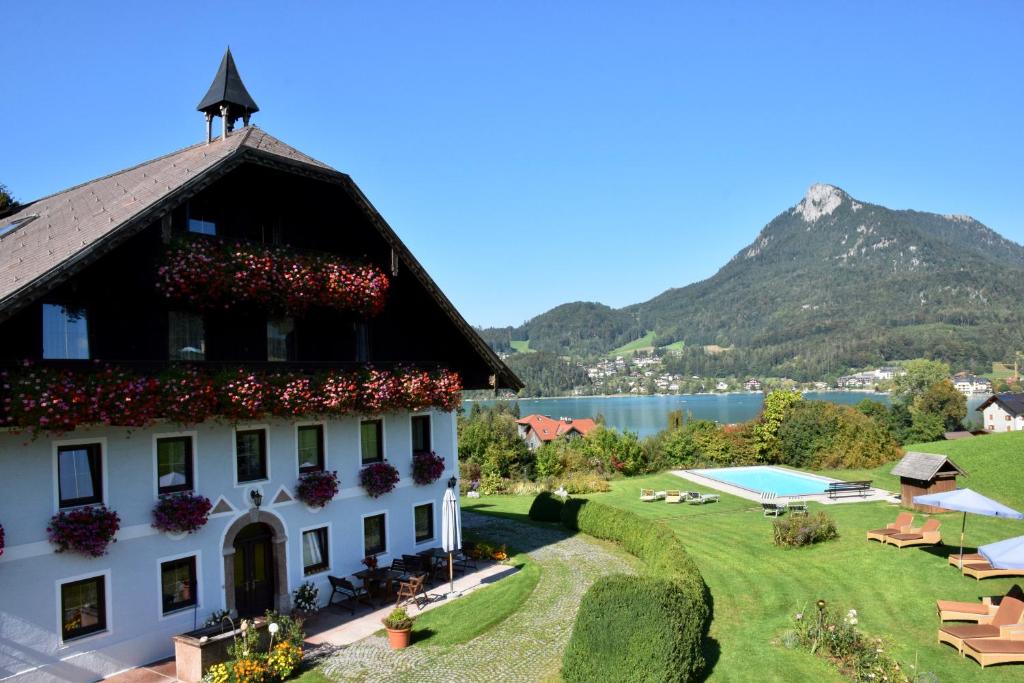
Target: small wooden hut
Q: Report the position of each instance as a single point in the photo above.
(922, 473)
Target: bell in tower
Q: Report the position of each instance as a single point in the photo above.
(227, 98)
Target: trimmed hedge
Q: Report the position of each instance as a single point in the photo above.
(546, 508)
(611, 624)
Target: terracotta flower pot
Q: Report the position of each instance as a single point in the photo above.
(399, 639)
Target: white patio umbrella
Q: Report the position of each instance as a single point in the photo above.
(451, 529)
(966, 500)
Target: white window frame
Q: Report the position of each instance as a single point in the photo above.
(330, 549)
(104, 484)
(195, 460)
(108, 612)
(323, 426)
(383, 438)
(234, 455)
(433, 525)
(164, 616)
(387, 531)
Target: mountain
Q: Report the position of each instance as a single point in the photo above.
(828, 284)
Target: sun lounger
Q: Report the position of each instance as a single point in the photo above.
(796, 506)
(901, 525)
(770, 506)
(673, 497)
(979, 612)
(928, 534)
(955, 560)
(697, 498)
(984, 570)
(1008, 616)
(648, 495)
(1008, 650)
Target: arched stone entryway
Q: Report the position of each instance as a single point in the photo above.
(246, 528)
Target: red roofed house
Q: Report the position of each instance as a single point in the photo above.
(541, 429)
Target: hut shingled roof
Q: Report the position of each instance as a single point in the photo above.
(922, 466)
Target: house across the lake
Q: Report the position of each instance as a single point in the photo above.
(540, 429)
(972, 384)
(1003, 413)
(752, 385)
(225, 322)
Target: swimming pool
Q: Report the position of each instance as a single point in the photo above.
(764, 478)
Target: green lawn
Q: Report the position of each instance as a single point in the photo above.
(757, 587)
(521, 346)
(644, 343)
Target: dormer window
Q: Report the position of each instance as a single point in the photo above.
(65, 333)
(201, 227)
(186, 336)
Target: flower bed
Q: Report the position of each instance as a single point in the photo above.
(254, 659)
(181, 513)
(427, 467)
(317, 489)
(211, 274)
(87, 530)
(37, 397)
(378, 478)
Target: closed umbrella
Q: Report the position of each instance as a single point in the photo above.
(451, 529)
(966, 500)
(1008, 554)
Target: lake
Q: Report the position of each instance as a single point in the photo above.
(648, 415)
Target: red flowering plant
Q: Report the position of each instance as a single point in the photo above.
(85, 530)
(181, 513)
(46, 398)
(378, 478)
(214, 274)
(317, 489)
(427, 467)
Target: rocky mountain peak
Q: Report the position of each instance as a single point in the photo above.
(821, 200)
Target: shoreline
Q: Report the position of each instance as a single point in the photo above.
(705, 393)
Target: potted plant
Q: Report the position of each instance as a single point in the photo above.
(305, 599)
(399, 627)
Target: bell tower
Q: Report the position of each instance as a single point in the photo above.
(227, 98)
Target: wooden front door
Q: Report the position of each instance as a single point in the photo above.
(254, 570)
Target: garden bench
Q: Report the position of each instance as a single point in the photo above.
(848, 488)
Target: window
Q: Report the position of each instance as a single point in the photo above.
(374, 538)
(281, 339)
(420, 433)
(362, 342)
(83, 607)
(424, 520)
(201, 227)
(311, 448)
(251, 455)
(10, 226)
(178, 584)
(174, 464)
(65, 332)
(314, 551)
(80, 474)
(371, 441)
(186, 337)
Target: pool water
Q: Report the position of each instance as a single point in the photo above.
(761, 479)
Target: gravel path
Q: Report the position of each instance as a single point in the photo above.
(527, 646)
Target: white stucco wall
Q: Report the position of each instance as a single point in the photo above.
(137, 633)
(995, 420)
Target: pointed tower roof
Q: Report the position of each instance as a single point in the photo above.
(227, 88)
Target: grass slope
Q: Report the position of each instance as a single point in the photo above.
(522, 346)
(644, 343)
(757, 587)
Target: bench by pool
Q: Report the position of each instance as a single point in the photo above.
(768, 479)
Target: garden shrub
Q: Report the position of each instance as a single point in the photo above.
(546, 508)
(631, 628)
(584, 482)
(666, 561)
(794, 531)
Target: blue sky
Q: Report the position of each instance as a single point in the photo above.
(534, 153)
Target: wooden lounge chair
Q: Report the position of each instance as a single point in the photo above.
(648, 495)
(978, 612)
(984, 570)
(769, 506)
(954, 559)
(901, 525)
(698, 498)
(1008, 650)
(412, 589)
(928, 534)
(673, 497)
(1008, 616)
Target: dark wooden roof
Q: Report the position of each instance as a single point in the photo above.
(1012, 403)
(923, 466)
(227, 88)
(76, 226)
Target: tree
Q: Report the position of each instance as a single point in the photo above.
(920, 375)
(7, 200)
(777, 406)
(945, 402)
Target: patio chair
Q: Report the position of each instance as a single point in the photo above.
(462, 560)
(348, 592)
(698, 498)
(673, 497)
(1008, 619)
(928, 534)
(901, 525)
(769, 506)
(1008, 650)
(984, 570)
(797, 506)
(648, 495)
(978, 612)
(398, 565)
(412, 589)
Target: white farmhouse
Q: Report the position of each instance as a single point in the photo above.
(1003, 413)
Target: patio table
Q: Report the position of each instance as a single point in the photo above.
(378, 582)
